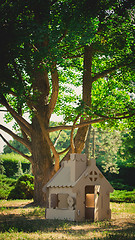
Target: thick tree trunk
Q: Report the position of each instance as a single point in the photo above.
(42, 163)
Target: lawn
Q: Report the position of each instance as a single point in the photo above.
(20, 219)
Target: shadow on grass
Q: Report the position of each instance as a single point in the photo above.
(29, 205)
(106, 229)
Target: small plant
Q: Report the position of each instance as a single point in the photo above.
(24, 188)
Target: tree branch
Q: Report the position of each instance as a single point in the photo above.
(62, 37)
(55, 88)
(12, 93)
(72, 134)
(103, 74)
(14, 149)
(73, 56)
(57, 138)
(69, 127)
(20, 120)
(53, 2)
(16, 137)
(64, 150)
(3, 110)
(83, 124)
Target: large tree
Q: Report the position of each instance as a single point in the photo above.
(49, 46)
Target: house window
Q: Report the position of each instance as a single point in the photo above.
(90, 203)
(54, 200)
(62, 201)
(93, 176)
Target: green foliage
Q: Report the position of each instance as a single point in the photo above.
(127, 149)
(107, 26)
(6, 185)
(2, 169)
(123, 196)
(24, 188)
(14, 157)
(119, 184)
(108, 144)
(12, 162)
(64, 140)
(124, 177)
(16, 145)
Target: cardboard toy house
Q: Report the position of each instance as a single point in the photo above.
(78, 191)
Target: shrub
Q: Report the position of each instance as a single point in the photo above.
(123, 196)
(6, 185)
(24, 188)
(119, 184)
(2, 169)
(12, 161)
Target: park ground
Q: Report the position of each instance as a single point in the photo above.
(20, 219)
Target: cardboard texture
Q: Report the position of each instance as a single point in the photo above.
(78, 191)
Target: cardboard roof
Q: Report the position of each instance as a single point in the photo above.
(63, 178)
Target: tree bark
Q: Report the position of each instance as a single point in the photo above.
(88, 144)
(42, 163)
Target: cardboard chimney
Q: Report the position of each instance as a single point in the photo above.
(78, 191)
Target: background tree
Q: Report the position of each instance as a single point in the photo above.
(16, 145)
(48, 45)
(127, 150)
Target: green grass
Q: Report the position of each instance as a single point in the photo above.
(19, 220)
(123, 208)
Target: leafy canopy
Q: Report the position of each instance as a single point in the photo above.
(35, 34)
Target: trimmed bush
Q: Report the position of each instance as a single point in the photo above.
(11, 162)
(6, 185)
(123, 196)
(118, 184)
(2, 169)
(24, 188)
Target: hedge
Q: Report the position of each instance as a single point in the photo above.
(123, 196)
(10, 164)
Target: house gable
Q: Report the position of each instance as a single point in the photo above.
(93, 176)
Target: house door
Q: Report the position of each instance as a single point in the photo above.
(89, 202)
